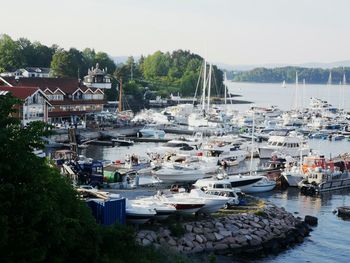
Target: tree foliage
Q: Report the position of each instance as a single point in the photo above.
(10, 53)
(162, 73)
(23, 53)
(176, 72)
(41, 218)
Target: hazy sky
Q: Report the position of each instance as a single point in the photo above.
(228, 31)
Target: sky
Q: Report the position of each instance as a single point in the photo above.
(227, 31)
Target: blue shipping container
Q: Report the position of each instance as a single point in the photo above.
(108, 212)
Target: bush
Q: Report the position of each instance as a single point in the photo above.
(177, 230)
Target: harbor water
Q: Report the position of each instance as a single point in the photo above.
(330, 240)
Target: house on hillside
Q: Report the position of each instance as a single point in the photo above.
(28, 72)
(35, 105)
(71, 100)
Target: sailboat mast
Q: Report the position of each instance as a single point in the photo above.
(329, 83)
(251, 147)
(120, 105)
(209, 86)
(343, 89)
(225, 87)
(296, 90)
(204, 84)
(302, 94)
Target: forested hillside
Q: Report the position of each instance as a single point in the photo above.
(311, 75)
(162, 73)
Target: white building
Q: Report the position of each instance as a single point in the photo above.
(29, 72)
(97, 78)
(34, 106)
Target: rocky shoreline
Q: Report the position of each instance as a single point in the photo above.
(266, 231)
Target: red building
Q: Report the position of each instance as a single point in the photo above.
(70, 99)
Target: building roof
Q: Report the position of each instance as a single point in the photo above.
(38, 70)
(19, 91)
(23, 92)
(67, 85)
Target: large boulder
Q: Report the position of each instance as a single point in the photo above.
(311, 220)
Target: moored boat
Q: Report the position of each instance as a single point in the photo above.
(263, 185)
(136, 214)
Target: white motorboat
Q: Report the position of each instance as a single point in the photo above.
(136, 214)
(122, 141)
(219, 187)
(177, 173)
(220, 154)
(244, 182)
(212, 202)
(212, 183)
(179, 146)
(151, 130)
(234, 195)
(40, 153)
(162, 210)
(183, 204)
(263, 185)
(284, 145)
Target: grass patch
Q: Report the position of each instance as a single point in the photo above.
(260, 213)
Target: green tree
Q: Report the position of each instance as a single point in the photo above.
(27, 50)
(42, 55)
(105, 61)
(41, 219)
(40, 216)
(59, 64)
(11, 56)
(67, 63)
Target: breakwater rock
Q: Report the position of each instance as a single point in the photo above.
(269, 230)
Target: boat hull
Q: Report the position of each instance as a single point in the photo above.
(180, 176)
(266, 152)
(244, 183)
(293, 180)
(256, 188)
(187, 208)
(212, 206)
(134, 217)
(334, 185)
(163, 214)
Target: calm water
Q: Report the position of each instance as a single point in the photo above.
(285, 98)
(330, 240)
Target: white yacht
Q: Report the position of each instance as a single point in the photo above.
(151, 130)
(291, 145)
